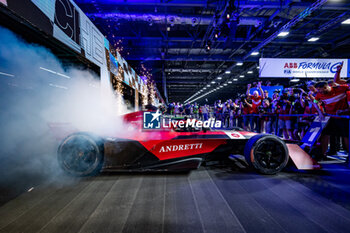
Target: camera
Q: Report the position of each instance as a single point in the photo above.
(242, 97)
(261, 109)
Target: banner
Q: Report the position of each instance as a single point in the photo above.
(302, 68)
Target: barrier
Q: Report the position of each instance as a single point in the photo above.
(311, 135)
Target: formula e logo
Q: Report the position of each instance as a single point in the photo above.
(291, 65)
(151, 120)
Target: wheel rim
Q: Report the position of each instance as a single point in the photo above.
(270, 154)
(79, 155)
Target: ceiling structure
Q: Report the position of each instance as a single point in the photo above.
(188, 44)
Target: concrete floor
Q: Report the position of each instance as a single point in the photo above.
(211, 199)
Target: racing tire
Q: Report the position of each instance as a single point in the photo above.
(81, 154)
(268, 154)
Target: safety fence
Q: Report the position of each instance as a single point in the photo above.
(311, 124)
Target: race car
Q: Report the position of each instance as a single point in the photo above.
(173, 149)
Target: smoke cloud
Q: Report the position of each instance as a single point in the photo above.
(40, 99)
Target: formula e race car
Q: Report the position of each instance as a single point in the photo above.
(174, 149)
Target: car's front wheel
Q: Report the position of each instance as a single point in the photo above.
(268, 154)
(81, 154)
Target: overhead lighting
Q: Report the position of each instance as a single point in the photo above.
(249, 72)
(54, 72)
(204, 88)
(294, 80)
(208, 85)
(235, 79)
(212, 82)
(239, 63)
(219, 78)
(227, 72)
(225, 84)
(258, 67)
(6, 74)
(283, 34)
(312, 39)
(58, 86)
(241, 76)
(346, 21)
(254, 53)
(229, 82)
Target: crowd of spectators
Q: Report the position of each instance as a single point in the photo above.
(287, 113)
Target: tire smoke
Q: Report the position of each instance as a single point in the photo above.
(40, 102)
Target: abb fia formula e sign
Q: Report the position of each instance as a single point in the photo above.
(302, 68)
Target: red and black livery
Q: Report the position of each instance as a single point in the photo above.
(84, 154)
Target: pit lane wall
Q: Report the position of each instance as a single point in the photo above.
(65, 21)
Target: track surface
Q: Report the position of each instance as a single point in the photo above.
(210, 199)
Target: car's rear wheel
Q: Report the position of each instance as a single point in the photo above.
(268, 154)
(81, 154)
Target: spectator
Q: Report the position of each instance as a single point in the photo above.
(309, 108)
(188, 109)
(265, 109)
(226, 114)
(180, 109)
(330, 97)
(335, 102)
(237, 118)
(246, 106)
(297, 108)
(200, 112)
(266, 96)
(195, 110)
(256, 102)
(218, 111)
(176, 109)
(285, 124)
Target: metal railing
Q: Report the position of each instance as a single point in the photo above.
(276, 118)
